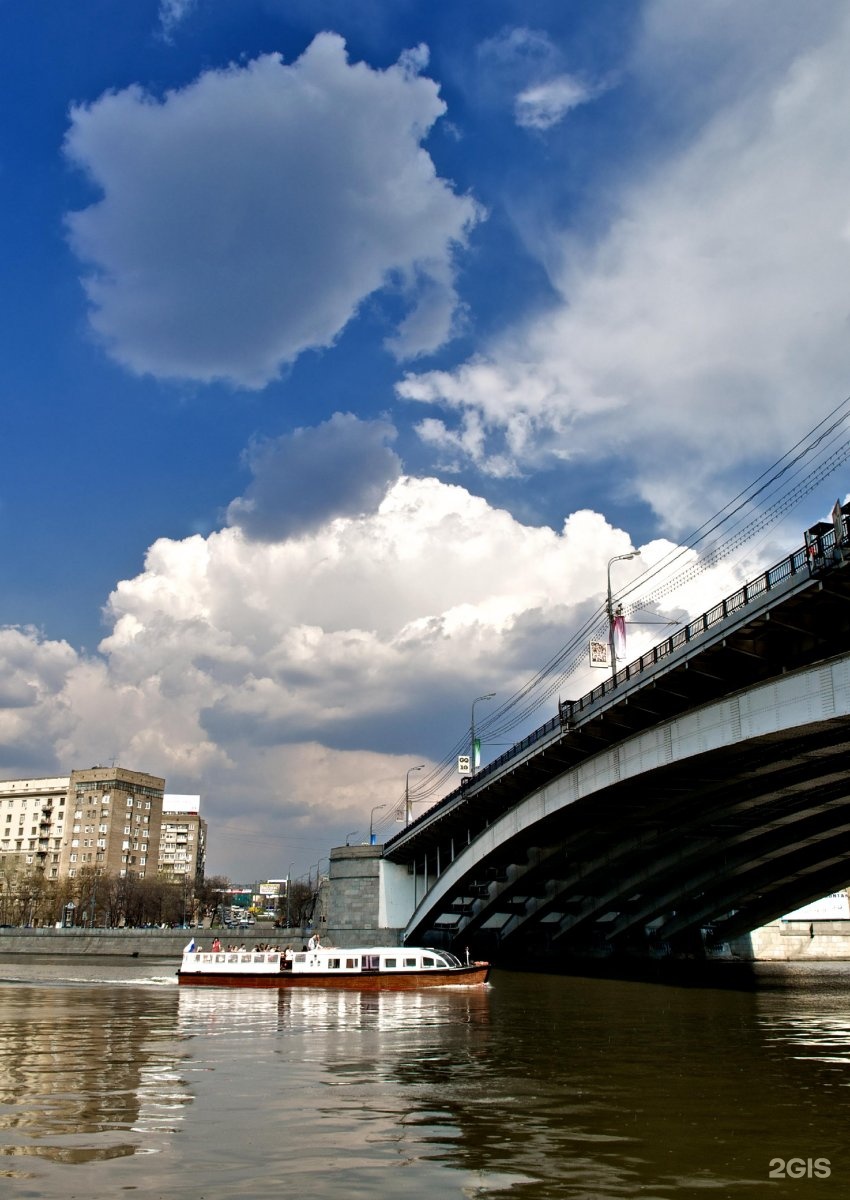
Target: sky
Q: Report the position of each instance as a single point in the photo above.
(344, 346)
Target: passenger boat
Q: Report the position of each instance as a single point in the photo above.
(373, 969)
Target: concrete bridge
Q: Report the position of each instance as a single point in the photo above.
(700, 794)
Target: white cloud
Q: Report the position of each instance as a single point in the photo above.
(245, 217)
(545, 104)
(172, 13)
(292, 683)
(712, 315)
(525, 68)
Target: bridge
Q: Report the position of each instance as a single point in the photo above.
(700, 793)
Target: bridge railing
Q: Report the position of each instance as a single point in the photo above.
(817, 556)
(800, 560)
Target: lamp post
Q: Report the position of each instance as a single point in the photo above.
(350, 835)
(407, 793)
(616, 558)
(472, 762)
(288, 886)
(371, 823)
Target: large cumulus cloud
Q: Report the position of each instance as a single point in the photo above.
(244, 218)
(293, 682)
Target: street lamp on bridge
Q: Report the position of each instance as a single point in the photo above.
(472, 763)
(611, 638)
(407, 793)
(371, 823)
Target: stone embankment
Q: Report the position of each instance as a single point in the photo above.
(132, 943)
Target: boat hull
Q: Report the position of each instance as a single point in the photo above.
(397, 981)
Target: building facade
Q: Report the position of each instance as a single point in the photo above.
(32, 824)
(183, 840)
(113, 822)
(106, 818)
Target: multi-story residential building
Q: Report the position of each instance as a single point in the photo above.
(106, 818)
(32, 823)
(113, 822)
(183, 840)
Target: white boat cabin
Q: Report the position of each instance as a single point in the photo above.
(376, 958)
(372, 960)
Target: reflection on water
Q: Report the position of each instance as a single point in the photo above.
(87, 1073)
(544, 1087)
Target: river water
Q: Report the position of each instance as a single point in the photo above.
(113, 1080)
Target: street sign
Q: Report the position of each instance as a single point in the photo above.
(464, 764)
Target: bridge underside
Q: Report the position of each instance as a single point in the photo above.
(704, 849)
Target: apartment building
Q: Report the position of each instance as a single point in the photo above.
(183, 840)
(32, 823)
(113, 823)
(108, 818)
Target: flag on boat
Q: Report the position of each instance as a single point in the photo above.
(190, 948)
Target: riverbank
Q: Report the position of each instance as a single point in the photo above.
(781, 941)
(129, 943)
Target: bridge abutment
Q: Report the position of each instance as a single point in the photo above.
(370, 899)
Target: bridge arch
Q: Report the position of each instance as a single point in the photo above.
(726, 815)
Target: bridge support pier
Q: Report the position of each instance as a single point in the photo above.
(370, 899)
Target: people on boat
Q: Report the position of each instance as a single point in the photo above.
(216, 946)
(313, 943)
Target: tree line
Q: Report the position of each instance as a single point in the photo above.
(107, 901)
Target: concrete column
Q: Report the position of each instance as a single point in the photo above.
(370, 901)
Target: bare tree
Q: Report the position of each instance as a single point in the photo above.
(212, 894)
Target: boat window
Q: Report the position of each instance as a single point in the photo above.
(220, 958)
(233, 958)
(333, 964)
(352, 962)
(390, 962)
(427, 961)
(410, 962)
(371, 962)
(300, 957)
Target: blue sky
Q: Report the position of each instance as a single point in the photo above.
(344, 344)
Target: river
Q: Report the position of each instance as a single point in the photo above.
(113, 1080)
